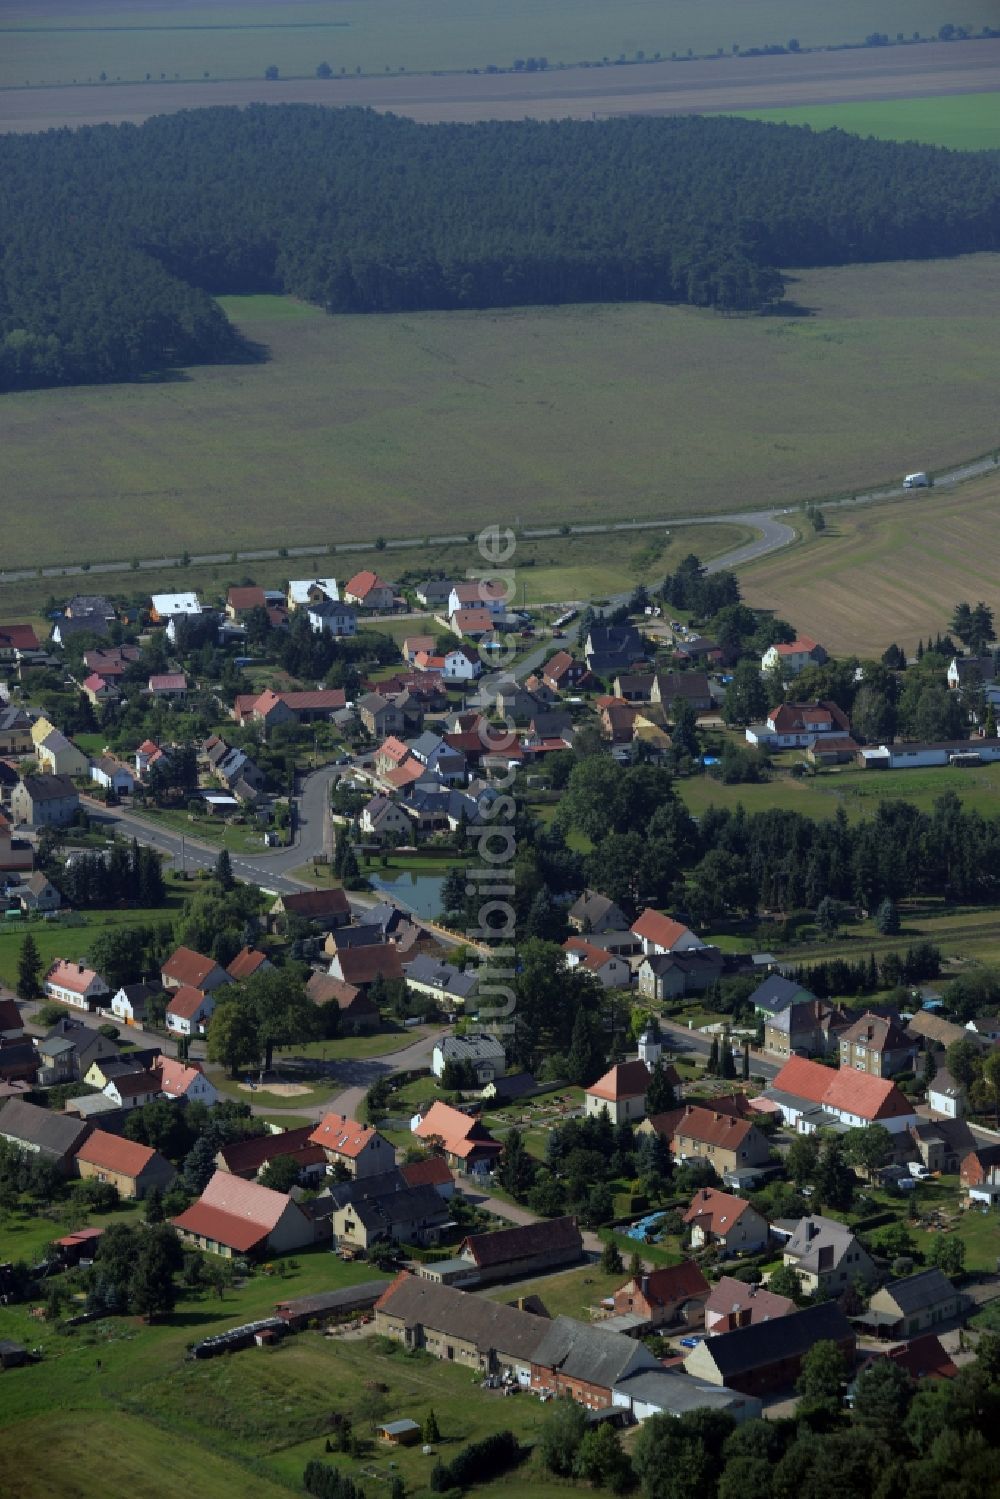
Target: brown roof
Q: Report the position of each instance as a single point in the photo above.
(186, 1002)
(362, 965)
(10, 1016)
(246, 598)
(433, 1172)
(924, 1358)
(715, 1211)
(730, 1297)
(130, 1084)
(876, 1032)
(186, 966)
(711, 1128)
(527, 1240)
(250, 1155)
(116, 1154)
(323, 990)
(672, 1283)
(315, 903)
(626, 1080)
(246, 963)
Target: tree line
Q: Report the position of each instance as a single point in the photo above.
(117, 238)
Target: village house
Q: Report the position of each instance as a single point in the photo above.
(727, 1142)
(135, 1170)
(930, 1031)
(184, 1080)
(661, 934)
(331, 617)
(302, 591)
(484, 1054)
(88, 1045)
(54, 1137)
(593, 913)
(45, 801)
(904, 1308)
(186, 968)
(465, 1142)
(613, 648)
(241, 602)
(19, 1066)
(666, 1297)
(188, 1011)
(827, 1256)
(368, 591)
(432, 1171)
(379, 715)
(672, 1392)
(563, 673)
(459, 664)
(268, 710)
(382, 819)
(980, 1167)
(791, 657)
(358, 1012)
(113, 775)
(482, 593)
(11, 1024)
(663, 976)
(878, 1045)
(168, 686)
(132, 1090)
(325, 909)
(945, 1095)
(775, 994)
(59, 756)
(733, 1304)
(36, 894)
(166, 607)
(248, 1158)
(470, 1331)
(98, 1070)
(17, 857)
(361, 966)
(585, 1362)
(100, 689)
(811, 1096)
(622, 1091)
(237, 1217)
(691, 687)
(942, 1144)
(611, 971)
(247, 962)
(74, 984)
(767, 1356)
(434, 593)
(358, 1148)
(797, 725)
(147, 755)
(805, 1028)
(404, 1214)
(18, 643)
(131, 1002)
(718, 1218)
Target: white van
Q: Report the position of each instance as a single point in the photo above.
(916, 481)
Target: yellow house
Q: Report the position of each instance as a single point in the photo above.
(41, 729)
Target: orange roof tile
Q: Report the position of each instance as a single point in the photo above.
(342, 1135)
(115, 1154)
(715, 1211)
(662, 930)
(626, 1080)
(848, 1091)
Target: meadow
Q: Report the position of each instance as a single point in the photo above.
(888, 573)
(406, 425)
(59, 42)
(964, 122)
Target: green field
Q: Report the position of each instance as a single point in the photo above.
(72, 938)
(859, 792)
(56, 42)
(404, 425)
(966, 122)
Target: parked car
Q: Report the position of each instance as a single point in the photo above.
(919, 1171)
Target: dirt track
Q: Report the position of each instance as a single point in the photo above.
(652, 88)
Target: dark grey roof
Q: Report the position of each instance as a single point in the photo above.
(412, 1205)
(358, 1188)
(50, 788)
(488, 1324)
(589, 1352)
(776, 993)
(593, 906)
(443, 976)
(764, 1343)
(53, 1134)
(366, 1292)
(915, 1293)
(677, 1393)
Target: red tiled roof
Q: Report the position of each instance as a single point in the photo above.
(459, 1133)
(246, 598)
(625, 1080)
(326, 699)
(479, 592)
(850, 1091)
(404, 775)
(176, 1077)
(433, 1172)
(362, 584)
(362, 965)
(472, 619)
(730, 1296)
(234, 1212)
(115, 1154)
(323, 990)
(94, 682)
(10, 1016)
(250, 1155)
(18, 638)
(674, 1283)
(168, 681)
(70, 976)
(246, 962)
(342, 1135)
(802, 644)
(710, 1127)
(662, 930)
(315, 903)
(392, 749)
(924, 1358)
(186, 966)
(715, 1211)
(186, 1002)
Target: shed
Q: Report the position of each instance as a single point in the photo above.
(404, 1433)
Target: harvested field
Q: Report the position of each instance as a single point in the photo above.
(889, 573)
(403, 424)
(65, 88)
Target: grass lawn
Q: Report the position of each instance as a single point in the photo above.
(889, 572)
(392, 1037)
(965, 122)
(571, 1293)
(218, 39)
(577, 413)
(238, 839)
(71, 939)
(316, 1089)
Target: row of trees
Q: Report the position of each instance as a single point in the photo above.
(139, 228)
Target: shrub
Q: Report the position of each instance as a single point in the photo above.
(478, 1462)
